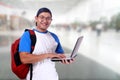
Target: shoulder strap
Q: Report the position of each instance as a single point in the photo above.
(33, 41)
(33, 38)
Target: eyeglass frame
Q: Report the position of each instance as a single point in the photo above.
(45, 18)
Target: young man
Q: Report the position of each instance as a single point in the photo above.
(47, 46)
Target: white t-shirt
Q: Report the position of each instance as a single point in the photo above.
(45, 69)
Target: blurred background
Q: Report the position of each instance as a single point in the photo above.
(97, 20)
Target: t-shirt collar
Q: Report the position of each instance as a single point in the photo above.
(40, 32)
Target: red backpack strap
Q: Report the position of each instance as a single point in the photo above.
(33, 41)
(33, 38)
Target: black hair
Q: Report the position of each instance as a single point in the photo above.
(44, 9)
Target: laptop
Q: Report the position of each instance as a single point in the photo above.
(74, 51)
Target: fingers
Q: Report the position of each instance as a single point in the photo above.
(52, 55)
(65, 61)
(61, 56)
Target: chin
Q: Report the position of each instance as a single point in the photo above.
(45, 27)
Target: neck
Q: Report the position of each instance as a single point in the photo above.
(41, 30)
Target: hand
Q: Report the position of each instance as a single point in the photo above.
(52, 55)
(65, 61)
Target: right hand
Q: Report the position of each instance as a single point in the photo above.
(52, 55)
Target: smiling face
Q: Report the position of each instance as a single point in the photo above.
(43, 21)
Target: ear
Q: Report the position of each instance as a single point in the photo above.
(36, 18)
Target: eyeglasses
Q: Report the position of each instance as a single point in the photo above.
(45, 18)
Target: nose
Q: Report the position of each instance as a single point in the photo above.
(45, 20)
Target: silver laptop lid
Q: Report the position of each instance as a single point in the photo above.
(76, 47)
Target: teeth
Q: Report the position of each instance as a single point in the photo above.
(44, 24)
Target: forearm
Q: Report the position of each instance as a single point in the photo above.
(27, 58)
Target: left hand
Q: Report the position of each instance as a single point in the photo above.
(65, 61)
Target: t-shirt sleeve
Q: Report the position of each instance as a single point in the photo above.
(59, 48)
(25, 42)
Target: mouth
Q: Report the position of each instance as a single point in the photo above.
(44, 24)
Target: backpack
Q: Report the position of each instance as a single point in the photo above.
(17, 67)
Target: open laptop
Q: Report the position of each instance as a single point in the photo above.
(74, 52)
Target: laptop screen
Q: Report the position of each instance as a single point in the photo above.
(76, 47)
